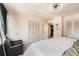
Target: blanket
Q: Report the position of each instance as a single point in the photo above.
(73, 51)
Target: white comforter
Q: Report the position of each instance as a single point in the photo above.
(49, 47)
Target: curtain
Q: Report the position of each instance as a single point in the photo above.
(3, 13)
(2, 29)
(2, 22)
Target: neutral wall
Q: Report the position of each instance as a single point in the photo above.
(45, 30)
(70, 24)
(73, 21)
(18, 27)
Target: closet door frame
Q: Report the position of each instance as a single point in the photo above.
(34, 31)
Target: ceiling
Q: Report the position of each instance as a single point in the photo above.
(40, 10)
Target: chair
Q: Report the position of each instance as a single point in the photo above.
(1, 50)
(13, 48)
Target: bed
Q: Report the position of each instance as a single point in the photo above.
(50, 47)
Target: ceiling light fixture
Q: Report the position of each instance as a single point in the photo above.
(56, 7)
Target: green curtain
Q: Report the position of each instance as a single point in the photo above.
(3, 15)
(3, 25)
(1, 21)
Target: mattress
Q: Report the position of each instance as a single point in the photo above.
(50, 47)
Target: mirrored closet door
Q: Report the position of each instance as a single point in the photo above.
(35, 31)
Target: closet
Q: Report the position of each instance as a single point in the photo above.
(36, 31)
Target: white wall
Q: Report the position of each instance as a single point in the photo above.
(73, 30)
(45, 30)
(18, 27)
